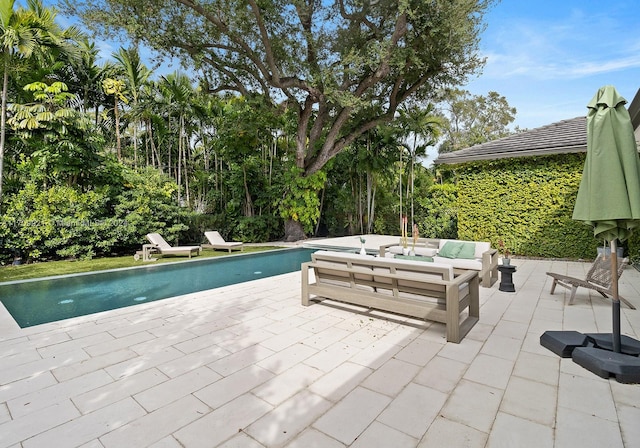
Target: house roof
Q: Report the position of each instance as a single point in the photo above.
(561, 137)
(565, 136)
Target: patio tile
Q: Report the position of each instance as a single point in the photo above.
(419, 351)
(461, 352)
(510, 431)
(143, 362)
(169, 391)
(381, 436)
(331, 357)
(352, 415)
(340, 381)
(391, 377)
(474, 405)
(25, 386)
(118, 390)
(239, 441)
(312, 438)
(441, 374)
(223, 423)
(504, 347)
(157, 425)
(575, 428)
(356, 377)
(629, 417)
(544, 369)
(592, 396)
(448, 433)
(117, 344)
(288, 419)
(239, 360)
(233, 386)
(167, 442)
(413, 410)
(88, 427)
(68, 372)
(22, 428)
(290, 382)
(42, 398)
(286, 339)
(530, 400)
(40, 366)
(287, 358)
(489, 370)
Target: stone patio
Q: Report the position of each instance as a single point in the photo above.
(248, 366)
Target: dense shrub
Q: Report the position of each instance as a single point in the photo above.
(63, 222)
(526, 202)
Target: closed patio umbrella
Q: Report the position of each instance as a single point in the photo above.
(609, 194)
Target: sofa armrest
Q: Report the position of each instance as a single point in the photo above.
(489, 274)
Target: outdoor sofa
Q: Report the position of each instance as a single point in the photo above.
(461, 255)
(429, 291)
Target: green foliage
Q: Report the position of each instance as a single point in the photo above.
(147, 204)
(258, 229)
(300, 201)
(473, 119)
(58, 222)
(440, 216)
(528, 203)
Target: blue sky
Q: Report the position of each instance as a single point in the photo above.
(548, 58)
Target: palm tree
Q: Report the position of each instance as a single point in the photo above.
(419, 125)
(136, 77)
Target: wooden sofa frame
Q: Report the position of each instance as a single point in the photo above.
(488, 274)
(353, 280)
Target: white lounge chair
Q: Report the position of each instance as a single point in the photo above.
(217, 242)
(165, 248)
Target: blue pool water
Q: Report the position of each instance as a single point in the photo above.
(37, 302)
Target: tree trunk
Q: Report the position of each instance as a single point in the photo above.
(3, 119)
(293, 231)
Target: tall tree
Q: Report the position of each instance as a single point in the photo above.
(345, 66)
(25, 32)
(136, 76)
(474, 119)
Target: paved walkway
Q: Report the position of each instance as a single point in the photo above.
(248, 366)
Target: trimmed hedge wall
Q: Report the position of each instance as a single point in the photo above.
(528, 203)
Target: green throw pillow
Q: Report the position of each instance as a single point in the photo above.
(451, 249)
(467, 251)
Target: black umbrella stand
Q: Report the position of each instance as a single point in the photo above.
(605, 354)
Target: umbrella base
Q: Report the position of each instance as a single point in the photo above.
(604, 363)
(593, 351)
(562, 343)
(629, 346)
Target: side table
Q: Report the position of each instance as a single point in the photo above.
(506, 278)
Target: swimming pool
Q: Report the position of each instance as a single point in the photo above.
(41, 301)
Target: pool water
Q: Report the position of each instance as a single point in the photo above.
(37, 302)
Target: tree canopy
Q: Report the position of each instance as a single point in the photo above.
(474, 119)
(345, 66)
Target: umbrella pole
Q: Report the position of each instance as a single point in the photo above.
(615, 306)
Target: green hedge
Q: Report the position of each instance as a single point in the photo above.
(526, 202)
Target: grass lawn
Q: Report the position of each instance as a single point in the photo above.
(50, 268)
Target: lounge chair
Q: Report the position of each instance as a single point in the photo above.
(217, 242)
(165, 248)
(598, 278)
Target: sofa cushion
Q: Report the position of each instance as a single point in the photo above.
(450, 249)
(460, 263)
(468, 251)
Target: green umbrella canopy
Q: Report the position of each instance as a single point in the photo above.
(609, 194)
